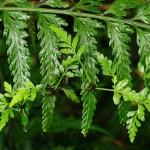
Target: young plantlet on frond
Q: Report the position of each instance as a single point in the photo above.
(69, 47)
(18, 99)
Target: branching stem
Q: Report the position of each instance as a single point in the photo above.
(80, 14)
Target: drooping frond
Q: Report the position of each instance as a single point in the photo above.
(47, 111)
(119, 39)
(86, 31)
(49, 55)
(89, 106)
(14, 25)
(143, 40)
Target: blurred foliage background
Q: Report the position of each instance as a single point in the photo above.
(106, 134)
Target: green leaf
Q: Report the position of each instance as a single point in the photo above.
(4, 118)
(106, 64)
(49, 53)
(144, 46)
(55, 3)
(119, 7)
(121, 85)
(71, 94)
(75, 42)
(14, 31)
(69, 74)
(69, 61)
(89, 106)
(80, 52)
(118, 34)
(143, 14)
(116, 98)
(66, 51)
(88, 40)
(8, 87)
(89, 5)
(47, 111)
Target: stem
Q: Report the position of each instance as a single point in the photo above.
(104, 89)
(61, 79)
(80, 14)
(84, 70)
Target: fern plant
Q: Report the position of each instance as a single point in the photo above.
(74, 55)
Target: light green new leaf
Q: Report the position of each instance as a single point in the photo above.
(75, 42)
(116, 98)
(69, 74)
(66, 51)
(69, 61)
(8, 87)
(71, 94)
(80, 52)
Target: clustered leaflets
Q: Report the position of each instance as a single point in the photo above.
(17, 99)
(81, 60)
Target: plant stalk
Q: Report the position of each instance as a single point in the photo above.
(79, 14)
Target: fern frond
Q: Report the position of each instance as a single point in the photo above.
(143, 40)
(49, 54)
(119, 39)
(14, 25)
(119, 7)
(86, 32)
(107, 67)
(143, 14)
(134, 121)
(47, 111)
(49, 61)
(56, 3)
(89, 106)
(5, 117)
(88, 5)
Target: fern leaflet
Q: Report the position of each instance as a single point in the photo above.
(89, 105)
(49, 60)
(14, 23)
(47, 111)
(143, 40)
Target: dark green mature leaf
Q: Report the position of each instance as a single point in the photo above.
(119, 7)
(106, 64)
(89, 106)
(14, 25)
(88, 5)
(143, 40)
(55, 3)
(143, 14)
(49, 61)
(88, 40)
(117, 32)
(71, 94)
(49, 54)
(47, 111)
